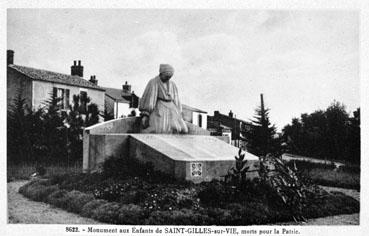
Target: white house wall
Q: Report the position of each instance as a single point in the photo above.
(122, 108)
(42, 92)
(195, 119)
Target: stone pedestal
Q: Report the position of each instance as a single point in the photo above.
(192, 157)
(196, 156)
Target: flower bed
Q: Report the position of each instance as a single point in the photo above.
(122, 195)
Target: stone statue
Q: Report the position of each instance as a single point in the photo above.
(161, 110)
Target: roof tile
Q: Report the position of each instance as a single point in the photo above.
(49, 76)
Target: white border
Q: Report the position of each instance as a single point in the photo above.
(363, 6)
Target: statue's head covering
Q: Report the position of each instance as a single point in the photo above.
(166, 68)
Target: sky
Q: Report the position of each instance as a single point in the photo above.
(224, 59)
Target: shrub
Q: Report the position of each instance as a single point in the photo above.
(25, 187)
(76, 200)
(237, 175)
(58, 198)
(131, 214)
(37, 190)
(219, 216)
(88, 209)
(40, 192)
(213, 194)
(177, 217)
(187, 198)
(285, 183)
(107, 212)
(112, 192)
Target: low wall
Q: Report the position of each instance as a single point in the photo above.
(117, 126)
(103, 146)
(133, 125)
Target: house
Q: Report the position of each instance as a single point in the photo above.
(37, 85)
(226, 125)
(194, 116)
(121, 102)
(217, 129)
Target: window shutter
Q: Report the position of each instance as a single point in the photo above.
(67, 98)
(200, 120)
(55, 92)
(83, 102)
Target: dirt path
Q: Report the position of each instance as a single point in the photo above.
(24, 211)
(349, 192)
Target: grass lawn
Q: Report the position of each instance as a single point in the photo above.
(23, 171)
(133, 194)
(327, 175)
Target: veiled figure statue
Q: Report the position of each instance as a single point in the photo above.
(161, 110)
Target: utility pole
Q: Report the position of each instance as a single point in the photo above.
(262, 109)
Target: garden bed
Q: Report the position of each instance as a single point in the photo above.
(137, 195)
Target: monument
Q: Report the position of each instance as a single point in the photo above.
(160, 107)
(162, 137)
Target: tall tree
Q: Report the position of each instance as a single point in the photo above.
(54, 132)
(337, 130)
(261, 138)
(354, 137)
(329, 134)
(18, 130)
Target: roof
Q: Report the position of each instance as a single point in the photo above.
(115, 94)
(54, 77)
(224, 127)
(233, 118)
(192, 109)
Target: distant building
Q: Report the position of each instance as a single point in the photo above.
(37, 85)
(228, 125)
(217, 129)
(194, 116)
(121, 102)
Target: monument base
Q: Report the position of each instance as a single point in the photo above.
(195, 157)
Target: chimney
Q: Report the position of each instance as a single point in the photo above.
(126, 88)
(77, 69)
(230, 114)
(93, 79)
(216, 113)
(10, 57)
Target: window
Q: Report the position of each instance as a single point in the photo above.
(62, 97)
(200, 120)
(83, 100)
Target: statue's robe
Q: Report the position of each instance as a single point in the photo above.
(161, 103)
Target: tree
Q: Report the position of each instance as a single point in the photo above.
(261, 137)
(107, 114)
(80, 116)
(337, 131)
(18, 130)
(53, 130)
(354, 137)
(329, 134)
(47, 134)
(92, 115)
